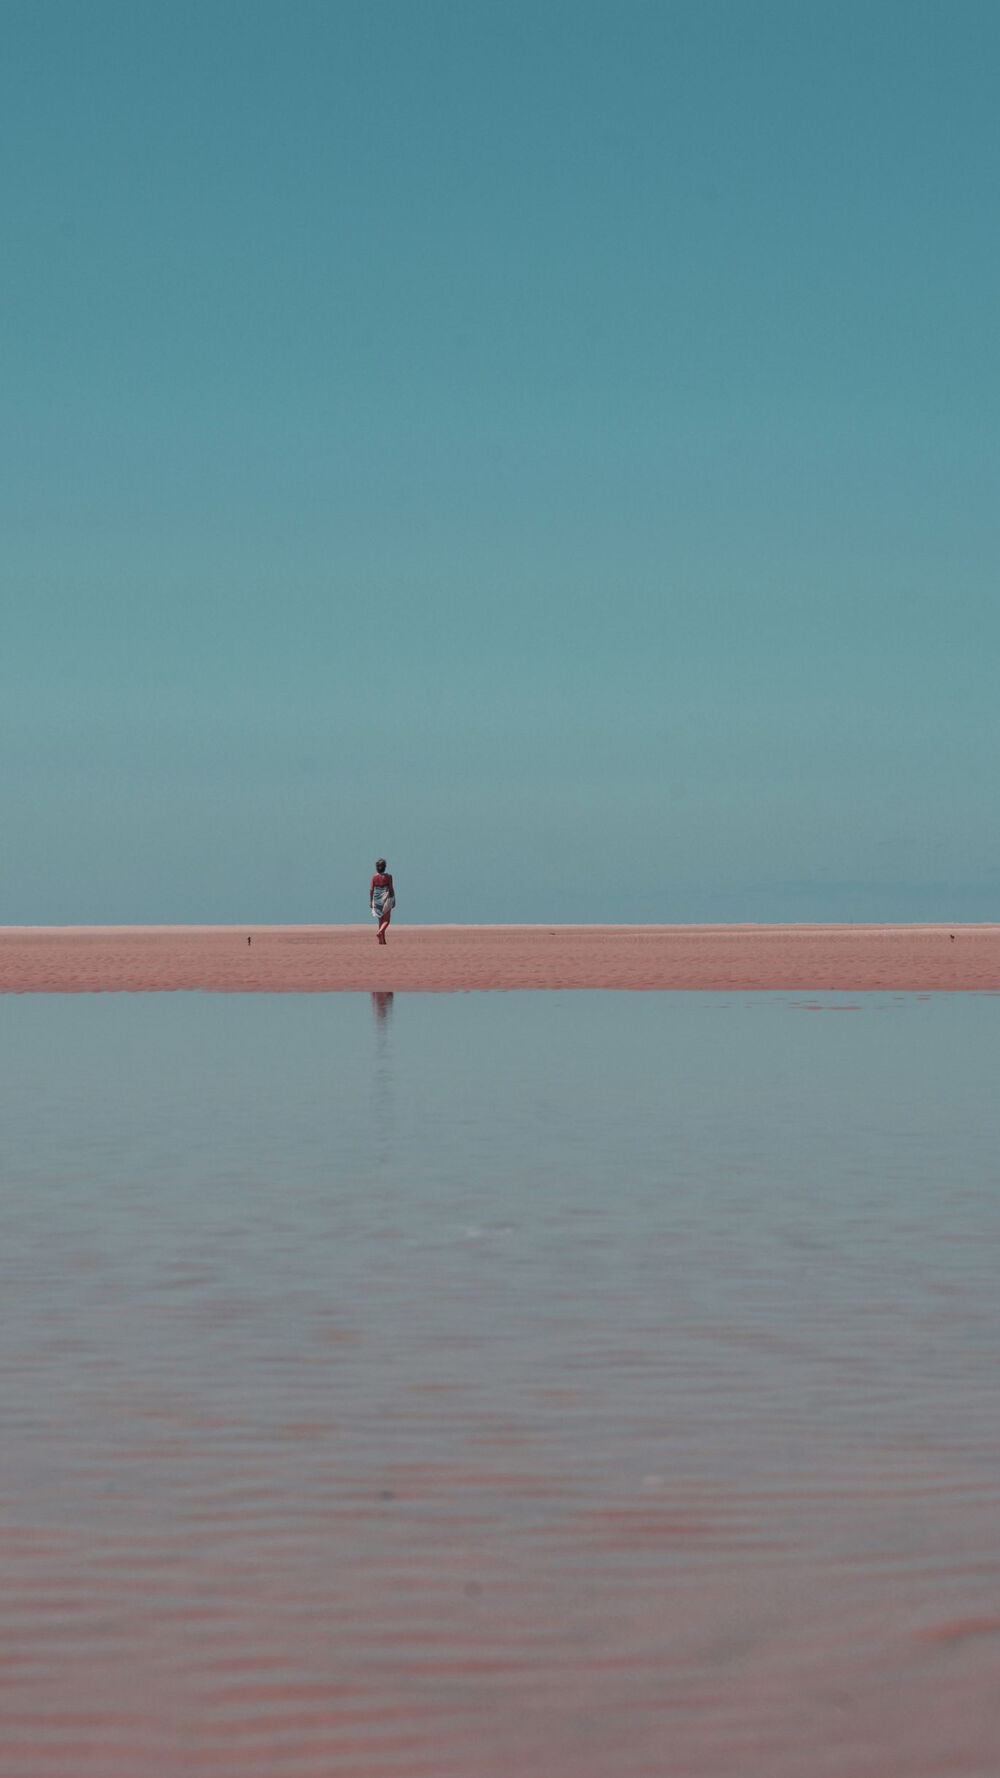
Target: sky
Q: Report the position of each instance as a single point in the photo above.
(552, 445)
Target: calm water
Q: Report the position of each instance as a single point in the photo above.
(510, 1384)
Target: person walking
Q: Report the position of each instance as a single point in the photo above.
(382, 898)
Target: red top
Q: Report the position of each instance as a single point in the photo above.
(381, 880)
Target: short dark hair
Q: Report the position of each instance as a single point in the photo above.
(380, 864)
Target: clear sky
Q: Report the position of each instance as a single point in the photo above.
(555, 445)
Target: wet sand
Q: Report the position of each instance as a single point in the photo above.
(454, 959)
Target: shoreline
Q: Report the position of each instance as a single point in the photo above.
(813, 958)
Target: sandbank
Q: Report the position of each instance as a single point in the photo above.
(454, 959)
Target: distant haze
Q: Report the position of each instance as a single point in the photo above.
(554, 446)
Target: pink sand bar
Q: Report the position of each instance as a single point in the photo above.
(450, 959)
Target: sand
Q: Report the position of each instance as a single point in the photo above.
(452, 959)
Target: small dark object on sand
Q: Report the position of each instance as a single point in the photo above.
(249, 939)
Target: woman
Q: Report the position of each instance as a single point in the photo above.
(381, 897)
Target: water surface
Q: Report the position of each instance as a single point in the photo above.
(552, 1384)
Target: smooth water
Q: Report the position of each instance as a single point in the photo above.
(503, 1384)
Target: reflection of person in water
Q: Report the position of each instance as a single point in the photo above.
(382, 898)
(382, 1007)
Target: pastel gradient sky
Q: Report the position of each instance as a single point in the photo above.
(552, 444)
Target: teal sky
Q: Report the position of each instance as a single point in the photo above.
(552, 444)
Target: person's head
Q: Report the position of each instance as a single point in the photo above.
(380, 864)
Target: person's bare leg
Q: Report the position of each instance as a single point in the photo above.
(383, 923)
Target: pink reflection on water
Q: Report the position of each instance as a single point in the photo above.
(475, 1621)
(368, 1472)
